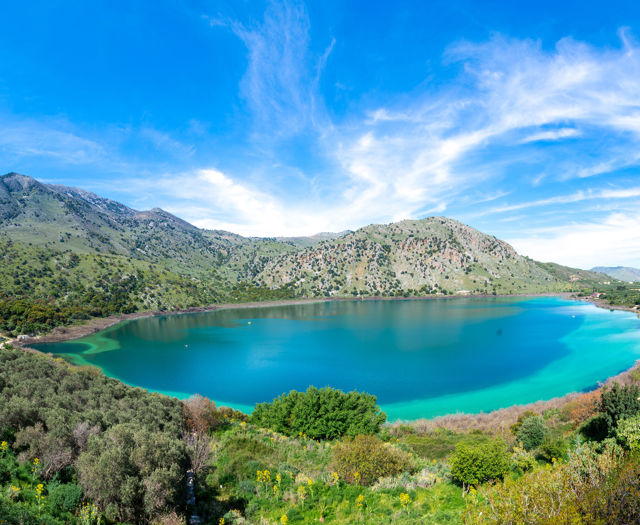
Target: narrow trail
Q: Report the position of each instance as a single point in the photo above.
(194, 519)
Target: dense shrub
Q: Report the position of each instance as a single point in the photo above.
(134, 474)
(365, 459)
(473, 464)
(628, 432)
(617, 403)
(525, 415)
(66, 497)
(531, 432)
(552, 449)
(125, 441)
(324, 413)
(588, 488)
(522, 460)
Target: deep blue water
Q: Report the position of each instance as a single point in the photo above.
(419, 357)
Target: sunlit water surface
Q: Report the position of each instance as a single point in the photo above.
(421, 358)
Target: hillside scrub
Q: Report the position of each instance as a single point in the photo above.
(617, 402)
(365, 459)
(474, 464)
(531, 432)
(77, 447)
(324, 413)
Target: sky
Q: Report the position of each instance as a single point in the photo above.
(521, 119)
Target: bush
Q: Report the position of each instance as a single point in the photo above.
(365, 459)
(522, 460)
(531, 432)
(617, 403)
(136, 473)
(525, 415)
(585, 489)
(324, 413)
(471, 465)
(628, 432)
(551, 449)
(66, 497)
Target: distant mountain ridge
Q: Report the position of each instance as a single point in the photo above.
(48, 225)
(622, 273)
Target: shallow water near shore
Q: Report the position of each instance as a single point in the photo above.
(421, 358)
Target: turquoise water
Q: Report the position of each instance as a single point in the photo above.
(421, 358)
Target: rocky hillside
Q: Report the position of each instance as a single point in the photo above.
(93, 256)
(433, 255)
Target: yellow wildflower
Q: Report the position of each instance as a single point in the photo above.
(405, 499)
(359, 501)
(284, 520)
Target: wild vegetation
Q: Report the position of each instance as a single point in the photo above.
(67, 255)
(77, 447)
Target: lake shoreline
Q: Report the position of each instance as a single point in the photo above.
(97, 324)
(460, 419)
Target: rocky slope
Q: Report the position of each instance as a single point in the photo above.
(433, 255)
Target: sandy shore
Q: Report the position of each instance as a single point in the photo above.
(95, 324)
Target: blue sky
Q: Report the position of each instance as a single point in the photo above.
(287, 118)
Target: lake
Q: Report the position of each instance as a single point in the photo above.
(421, 358)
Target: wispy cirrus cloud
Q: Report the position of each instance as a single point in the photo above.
(280, 83)
(413, 156)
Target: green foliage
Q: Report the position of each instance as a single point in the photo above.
(125, 441)
(628, 432)
(440, 443)
(522, 460)
(617, 403)
(552, 449)
(471, 465)
(324, 413)
(66, 497)
(365, 459)
(525, 415)
(531, 432)
(134, 473)
(590, 487)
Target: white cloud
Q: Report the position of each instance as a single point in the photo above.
(611, 242)
(558, 134)
(578, 196)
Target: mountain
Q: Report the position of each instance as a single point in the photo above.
(414, 257)
(622, 273)
(91, 256)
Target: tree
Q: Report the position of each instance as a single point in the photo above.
(531, 432)
(617, 403)
(133, 474)
(628, 432)
(473, 464)
(324, 413)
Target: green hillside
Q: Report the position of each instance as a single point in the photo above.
(68, 254)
